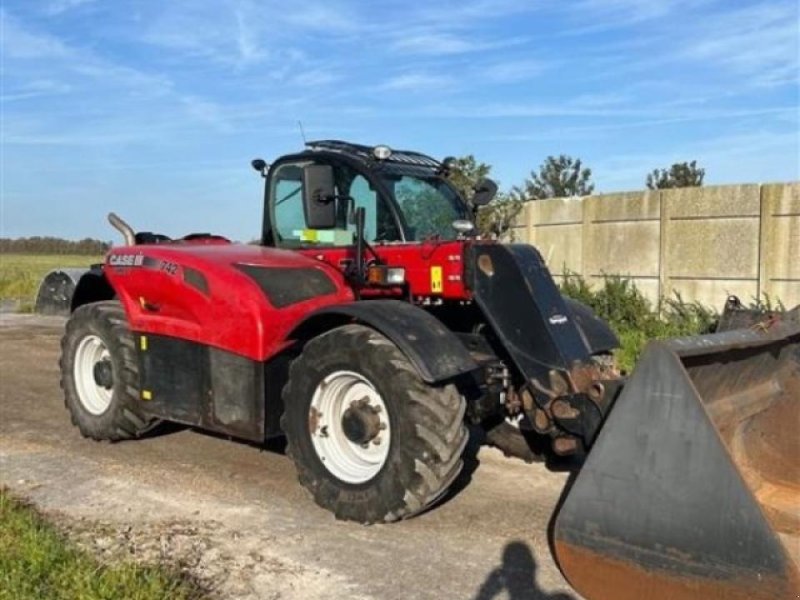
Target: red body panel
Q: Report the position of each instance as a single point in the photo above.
(235, 314)
(418, 259)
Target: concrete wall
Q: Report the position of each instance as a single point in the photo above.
(703, 243)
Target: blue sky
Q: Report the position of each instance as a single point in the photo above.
(155, 108)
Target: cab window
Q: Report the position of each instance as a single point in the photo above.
(352, 189)
(428, 205)
(287, 194)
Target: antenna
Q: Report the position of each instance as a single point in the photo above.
(302, 132)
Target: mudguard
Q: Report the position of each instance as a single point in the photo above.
(93, 286)
(433, 349)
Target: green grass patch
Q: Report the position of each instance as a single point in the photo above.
(21, 274)
(37, 563)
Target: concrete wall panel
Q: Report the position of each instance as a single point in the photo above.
(718, 248)
(554, 227)
(715, 201)
(705, 242)
(556, 210)
(780, 242)
(788, 292)
(627, 206)
(622, 248)
(561, 247)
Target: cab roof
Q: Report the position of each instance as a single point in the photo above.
(364, 154)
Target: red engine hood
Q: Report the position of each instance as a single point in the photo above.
(199, 293)
(231, 254)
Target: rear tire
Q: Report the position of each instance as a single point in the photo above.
(100, 374)
(356, 368)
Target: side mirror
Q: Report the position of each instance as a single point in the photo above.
(485, 192)
(319, 196)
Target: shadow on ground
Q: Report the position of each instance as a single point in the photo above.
(515, 578)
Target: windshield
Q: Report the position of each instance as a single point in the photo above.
(428, 204)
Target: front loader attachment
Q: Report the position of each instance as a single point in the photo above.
(692, 488)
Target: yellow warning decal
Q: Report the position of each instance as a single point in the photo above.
(436, 280)
(143, 343)
(147, 395)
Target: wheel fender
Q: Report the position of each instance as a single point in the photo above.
(93, 286)
(434, 350)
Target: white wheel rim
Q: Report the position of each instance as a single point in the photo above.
(348, 461)
(95, 398)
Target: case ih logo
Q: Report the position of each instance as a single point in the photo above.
(126, 260)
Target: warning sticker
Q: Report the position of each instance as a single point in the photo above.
(436, 280)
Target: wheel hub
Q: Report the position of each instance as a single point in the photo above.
(103, 374)
(349, 425)
(361, 423)
(93, 374)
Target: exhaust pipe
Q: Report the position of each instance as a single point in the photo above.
(692, 489)
(126, 230)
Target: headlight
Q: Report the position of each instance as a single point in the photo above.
(383, 275)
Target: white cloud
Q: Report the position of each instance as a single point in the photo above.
(512, 71)
(247, 39)
(418, 82)
(36, 89)
(19, 42)
(596, 15)
(205, 111)
(57, 7)
(324, 17)
(760, 42)
(443, 43)
(315, 78)
(601, 99)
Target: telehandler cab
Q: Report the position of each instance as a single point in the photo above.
(372, 323)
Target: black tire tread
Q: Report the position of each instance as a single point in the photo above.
(126, 419)
(437, 413)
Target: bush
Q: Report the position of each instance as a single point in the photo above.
(634, 319)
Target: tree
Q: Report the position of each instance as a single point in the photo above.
(496, 219)
(558, 177)
(677, 176)
(467, 173)
(53, 245)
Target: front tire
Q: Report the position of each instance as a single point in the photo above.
(370, 440)
(100, 374)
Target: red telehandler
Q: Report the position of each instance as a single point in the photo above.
(371, 324)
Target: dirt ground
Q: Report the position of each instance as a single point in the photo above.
(235, 517)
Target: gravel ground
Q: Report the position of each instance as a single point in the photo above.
(233, 515)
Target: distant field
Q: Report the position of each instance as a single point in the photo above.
(20, 275)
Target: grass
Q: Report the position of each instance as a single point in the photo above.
(21, 274)
(37, 563)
